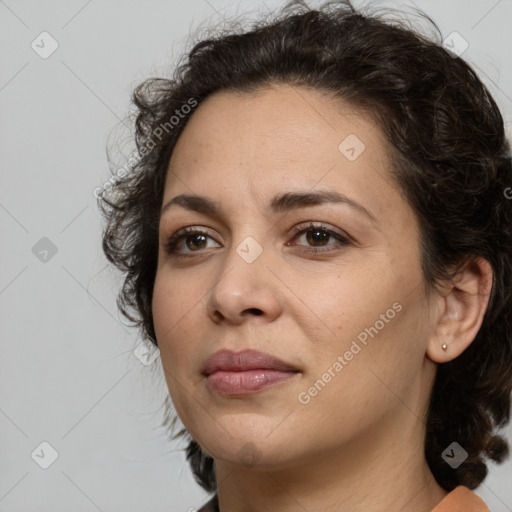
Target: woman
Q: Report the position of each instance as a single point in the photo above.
(317, 237)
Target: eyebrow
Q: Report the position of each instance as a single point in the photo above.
(280, 203)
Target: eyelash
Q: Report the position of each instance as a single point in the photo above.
(173, 241)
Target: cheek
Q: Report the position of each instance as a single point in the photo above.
(348, 301)
(174, 298)
(173, 317)
(173, 313)
(163, 305)
(359, 374)
(362, 317)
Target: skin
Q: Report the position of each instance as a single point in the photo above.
(357, 445)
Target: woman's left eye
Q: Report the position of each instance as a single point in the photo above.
(317, 236)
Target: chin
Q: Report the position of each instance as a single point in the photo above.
(256, 456)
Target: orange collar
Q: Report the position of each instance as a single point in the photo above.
(461, 499)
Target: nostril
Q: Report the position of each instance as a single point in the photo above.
(255, 311)
(218, 316)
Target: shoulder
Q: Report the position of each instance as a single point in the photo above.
(461, 499)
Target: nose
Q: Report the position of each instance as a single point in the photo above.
(244, 291)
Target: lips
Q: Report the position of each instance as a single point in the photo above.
(231, 373)
(229, 361)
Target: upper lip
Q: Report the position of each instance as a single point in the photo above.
(227, 360)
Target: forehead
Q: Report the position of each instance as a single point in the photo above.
(259, 143)
(289, 122)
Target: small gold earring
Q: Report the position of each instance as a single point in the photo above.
(444, 346)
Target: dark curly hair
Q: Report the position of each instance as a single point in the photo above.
(452, 163)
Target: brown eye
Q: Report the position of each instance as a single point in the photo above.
(194, 242)
(187, 241)
(317, 238)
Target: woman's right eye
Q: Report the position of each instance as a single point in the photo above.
(187, 240)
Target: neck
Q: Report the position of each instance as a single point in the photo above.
(380, 471)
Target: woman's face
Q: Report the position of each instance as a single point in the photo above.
(342, 302)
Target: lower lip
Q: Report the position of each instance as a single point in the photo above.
(245, 382)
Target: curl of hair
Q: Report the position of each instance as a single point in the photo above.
(452, 163)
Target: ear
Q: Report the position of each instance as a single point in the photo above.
(462, 304)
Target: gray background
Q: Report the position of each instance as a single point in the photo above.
(68, 372)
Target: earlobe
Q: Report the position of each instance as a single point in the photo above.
(440, 346)
(463, 306)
